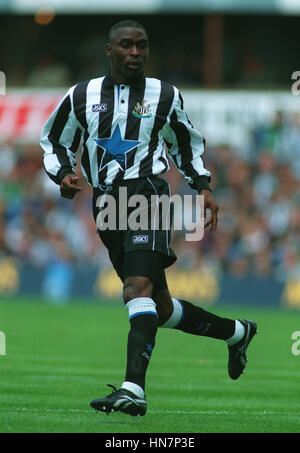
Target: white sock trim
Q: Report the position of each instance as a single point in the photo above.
(134, 388)
(238, 333)
(175, 316)
(141, 306)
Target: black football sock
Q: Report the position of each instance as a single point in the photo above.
(141, 341)
(140, 344)
(196, 321)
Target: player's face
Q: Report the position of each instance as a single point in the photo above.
(128, 51)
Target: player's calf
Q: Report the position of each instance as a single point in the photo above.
(236, 333)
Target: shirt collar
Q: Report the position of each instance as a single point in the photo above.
(137, 83)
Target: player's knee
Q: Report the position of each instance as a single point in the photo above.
(136, 287)
(164, 306)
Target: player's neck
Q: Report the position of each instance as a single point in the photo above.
(119, 79)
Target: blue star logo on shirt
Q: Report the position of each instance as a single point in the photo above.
(115, 147)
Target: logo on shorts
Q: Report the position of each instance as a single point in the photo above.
(99, 107)
(140, 239)
(142, 110)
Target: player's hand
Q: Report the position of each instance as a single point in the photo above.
(210, 204)
(69, 187)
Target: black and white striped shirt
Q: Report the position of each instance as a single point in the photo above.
(124, 130)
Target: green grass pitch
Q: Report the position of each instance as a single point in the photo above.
(60, 357)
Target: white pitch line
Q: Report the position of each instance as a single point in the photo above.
(45, 409)
(182, 412)
(154, 412)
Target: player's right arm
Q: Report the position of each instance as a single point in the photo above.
(60, 139)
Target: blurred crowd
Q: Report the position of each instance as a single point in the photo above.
(258, 195)
(259, 200)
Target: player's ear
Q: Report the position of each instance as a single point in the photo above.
(108, 50)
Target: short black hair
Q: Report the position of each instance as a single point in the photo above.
(125, 23)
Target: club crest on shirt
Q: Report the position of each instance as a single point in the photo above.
(142, 110)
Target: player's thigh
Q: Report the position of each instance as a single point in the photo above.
(142, 263)
(162, 297)
(145, 269)
(140, 272)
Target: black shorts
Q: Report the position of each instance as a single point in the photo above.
(123, 244)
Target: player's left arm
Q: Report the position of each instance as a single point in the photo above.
(186, 146)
